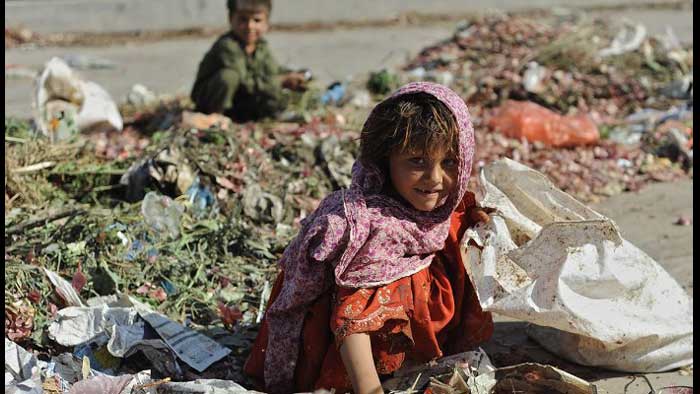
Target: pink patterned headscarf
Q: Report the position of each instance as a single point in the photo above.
(357, 238)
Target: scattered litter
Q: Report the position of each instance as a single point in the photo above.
(64, 289)
(629, 39)
(101, 384)
(533, 76)
(162, 214)
(382, 82)
(681, 89)
(141, 96)
(334, 94)
(262, 206)
(200, 197)
(684, 221)
(20, 364)
(418, 376)
(528, 120)
(534, 378)
(85, 62)
(205, 386)
(361, 99)
(125, 324)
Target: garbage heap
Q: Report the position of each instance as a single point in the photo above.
(599, 111)
(192, 225)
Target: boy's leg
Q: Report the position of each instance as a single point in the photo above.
(215, 95)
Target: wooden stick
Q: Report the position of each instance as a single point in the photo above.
(151, 384)
(34, 167)
(40, 221)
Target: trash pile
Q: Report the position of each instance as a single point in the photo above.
(597, 111)
(192, 224)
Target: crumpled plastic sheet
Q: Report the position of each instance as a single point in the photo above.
(593, 297)
(20, 368)
(123, 321)
(204, 386)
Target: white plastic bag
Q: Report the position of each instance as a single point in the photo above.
(64, 103)
(593, 297)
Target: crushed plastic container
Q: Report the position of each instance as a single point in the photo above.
(524, 119)
(162, 214)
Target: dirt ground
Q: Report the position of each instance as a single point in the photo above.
(646, 218)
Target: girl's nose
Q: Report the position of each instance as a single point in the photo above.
(435, 173)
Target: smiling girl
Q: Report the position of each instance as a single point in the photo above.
(375, 278)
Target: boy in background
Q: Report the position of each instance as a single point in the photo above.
(238, 76)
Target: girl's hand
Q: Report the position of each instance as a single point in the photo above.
(356, 352)
(479, 214)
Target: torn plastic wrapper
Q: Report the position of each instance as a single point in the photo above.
(628, 39)
(549, 260)
(101, 384)
(20, 365)
(64, 289)
(531, 378)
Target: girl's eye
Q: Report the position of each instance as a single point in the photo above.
(417, 161)
(450, 163)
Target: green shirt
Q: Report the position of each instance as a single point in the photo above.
(244, 87)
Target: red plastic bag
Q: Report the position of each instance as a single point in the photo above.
(518, 119)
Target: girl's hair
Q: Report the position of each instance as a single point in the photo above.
(417, 122)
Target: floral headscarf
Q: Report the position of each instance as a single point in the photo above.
(358, 238)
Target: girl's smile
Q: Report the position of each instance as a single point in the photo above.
(425, 180)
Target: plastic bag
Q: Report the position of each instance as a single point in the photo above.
(595, 298)
(522, 119)
(61, 96)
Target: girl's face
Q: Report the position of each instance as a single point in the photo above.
(424, 180)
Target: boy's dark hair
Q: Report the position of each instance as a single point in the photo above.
(418, 122)
(233, 5)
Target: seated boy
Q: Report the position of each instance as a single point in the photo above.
(238, 76)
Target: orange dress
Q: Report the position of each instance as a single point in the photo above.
(432, 313)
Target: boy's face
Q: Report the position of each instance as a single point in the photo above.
(424, 180)
(249, 24)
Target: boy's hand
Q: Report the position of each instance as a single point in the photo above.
(294, 81)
